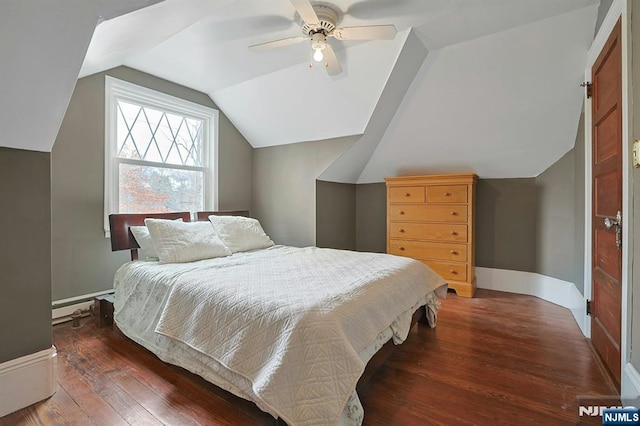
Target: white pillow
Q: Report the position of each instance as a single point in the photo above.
(240, 233)
(179, 242)
(141, 234)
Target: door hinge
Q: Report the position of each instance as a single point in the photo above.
(588, 307)
(587, 85)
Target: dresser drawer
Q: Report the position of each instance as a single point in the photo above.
(407, 194)
(428, 250)
(428, 231)
(426, 212)
(447, 270)
(447, 194)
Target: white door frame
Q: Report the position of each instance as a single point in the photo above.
(619, 8)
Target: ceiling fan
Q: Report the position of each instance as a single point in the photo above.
(319, 23)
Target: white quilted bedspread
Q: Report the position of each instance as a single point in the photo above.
(292, 320)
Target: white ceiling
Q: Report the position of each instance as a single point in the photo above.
(497, 95)
(483, 83)
(349, 166)
(503, 105)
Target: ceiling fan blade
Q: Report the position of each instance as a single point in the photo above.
(278, 43)
(306, 12)
(371, 32)
(331, 61)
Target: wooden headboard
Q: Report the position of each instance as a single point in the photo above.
(122, 238)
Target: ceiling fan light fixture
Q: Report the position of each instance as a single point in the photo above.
(317, 55)
(318, 44)
(318, 23)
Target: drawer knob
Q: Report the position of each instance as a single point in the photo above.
(454, 213)
(453, 272)
(453, 252)
(446, 194)
(406, 194)
(401, 230)
(401, 211)
(401, 248)
(454, 233)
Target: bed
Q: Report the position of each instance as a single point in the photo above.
(294, 330)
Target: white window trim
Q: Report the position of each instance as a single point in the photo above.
(116, 89)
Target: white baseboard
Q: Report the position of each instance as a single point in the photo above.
(27, 380)
(556, 291)
(630, 387)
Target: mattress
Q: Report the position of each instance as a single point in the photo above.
(167, 308)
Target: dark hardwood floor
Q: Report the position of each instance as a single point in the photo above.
(498, 358)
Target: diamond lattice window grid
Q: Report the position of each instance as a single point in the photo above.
(148, 134)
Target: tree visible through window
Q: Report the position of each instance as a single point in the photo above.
(158, 155)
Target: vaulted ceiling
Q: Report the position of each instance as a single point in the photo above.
(42, 46)
(488, 86)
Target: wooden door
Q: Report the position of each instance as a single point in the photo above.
(607, 202)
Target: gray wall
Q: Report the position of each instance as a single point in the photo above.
(634, 238)
(555, 227)
(505, 231)
(371, 217)
(579, 180)
(284, 187)
(25, 253)
(82, 259)
(560, 216)
(506, 224)
(336, 215)
(351, 216)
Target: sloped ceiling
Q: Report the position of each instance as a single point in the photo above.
(42, 46)
(497, 94)
(348, 167)
(320, 107)
(503, 105)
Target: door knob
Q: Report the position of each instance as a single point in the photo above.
(617, 222)
(609, 223)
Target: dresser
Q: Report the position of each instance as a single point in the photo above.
(431, 218)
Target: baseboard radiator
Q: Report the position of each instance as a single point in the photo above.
(74, 307)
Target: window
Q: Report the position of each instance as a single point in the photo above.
(160, 152)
